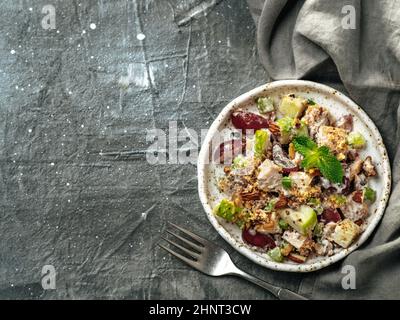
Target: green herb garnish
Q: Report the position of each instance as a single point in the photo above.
(311, 102)
(319, 157)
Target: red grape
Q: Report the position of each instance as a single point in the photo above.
(258, 239)
(247, 120)
(288, 170)
(330, 215)
(358, 196)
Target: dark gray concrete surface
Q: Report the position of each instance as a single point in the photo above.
(67, 94)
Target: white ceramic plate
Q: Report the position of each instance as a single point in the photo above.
(338, 104)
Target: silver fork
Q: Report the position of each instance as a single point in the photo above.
(212, 260)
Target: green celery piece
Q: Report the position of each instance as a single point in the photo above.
(314, 201)
(283, 224)
(287, 182)
(270, 205)
(275, 254)
(226, 209)
(356, 140)
(285, 124)
(339, 199)
(369, 194)
(260, 140)
(318, 230)
(265, 104)
(240, 162)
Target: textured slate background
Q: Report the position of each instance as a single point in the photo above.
(65, 95)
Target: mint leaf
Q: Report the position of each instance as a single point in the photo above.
(319, 157)
(304, 145)
(331, 168)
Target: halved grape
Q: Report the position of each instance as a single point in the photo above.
(247, 120)
(330, 215)
(258, 239)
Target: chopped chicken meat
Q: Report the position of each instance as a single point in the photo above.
(368, 167)
(269, 177)
(315, 117)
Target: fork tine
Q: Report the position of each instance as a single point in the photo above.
(188, 242)
(190, 262)
(199, 239)
(193, 254)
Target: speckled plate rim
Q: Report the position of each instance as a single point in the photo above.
(247, 251)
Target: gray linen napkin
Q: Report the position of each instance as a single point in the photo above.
(318, 40)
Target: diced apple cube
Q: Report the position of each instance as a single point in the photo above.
(345, 233)
(302, 220)
(292, 107)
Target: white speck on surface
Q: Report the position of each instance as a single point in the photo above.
(30, 9)
(29, 130)
(108, 107)
(12, 51)
(137, 75)
(52, 164)
(92, 26)
(58, 31)
(140, 36)
(91, 57)
(82, 126)
(67, 184)
(69, 92)
(16, 87)
(83, 31)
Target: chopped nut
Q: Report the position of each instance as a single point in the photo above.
(252, 195)
(274, 128)
(281, 203)
(292, 151)
(285, 250)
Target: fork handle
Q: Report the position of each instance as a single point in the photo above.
(280, 293)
